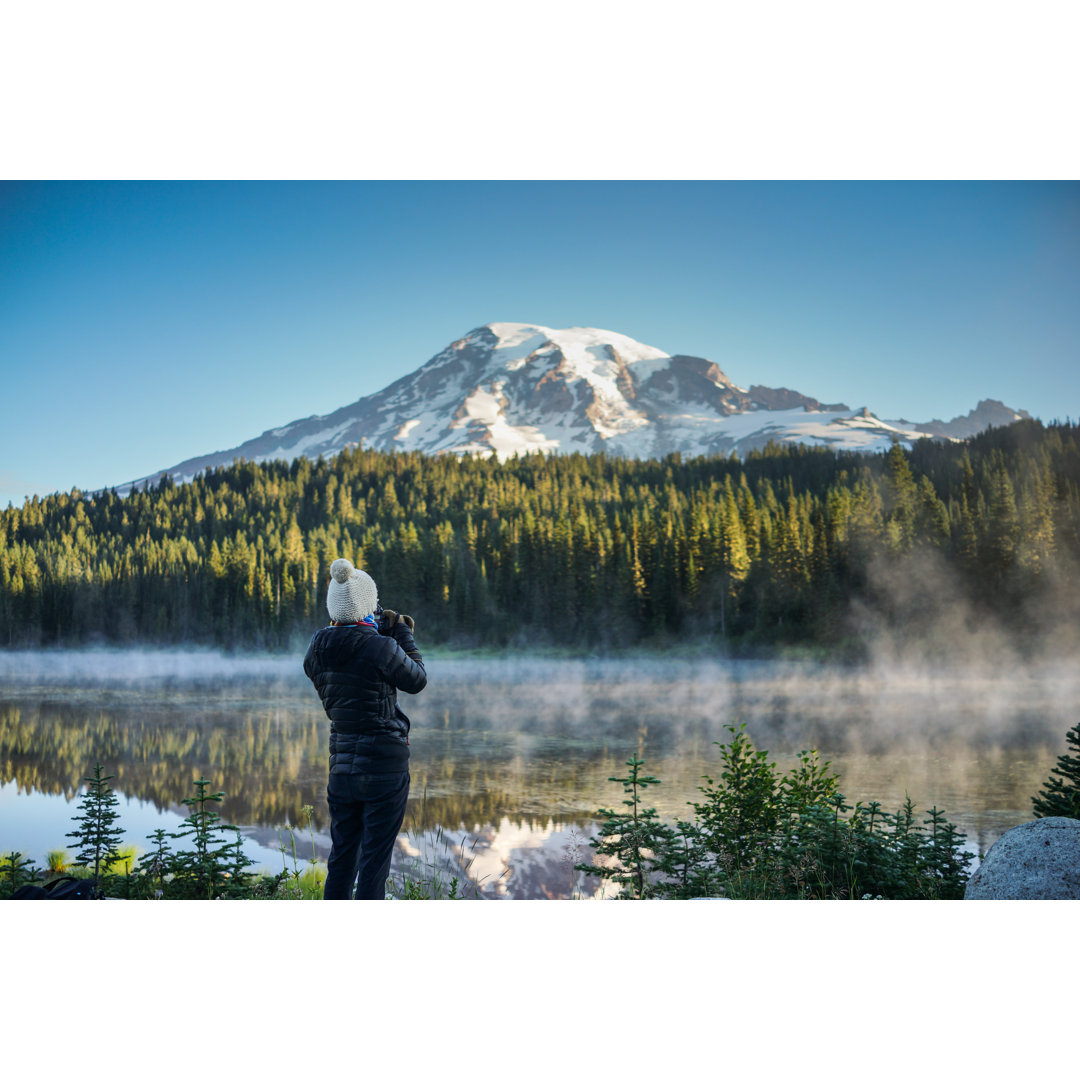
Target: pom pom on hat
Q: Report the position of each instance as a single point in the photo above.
(340, 569)
(352, 594)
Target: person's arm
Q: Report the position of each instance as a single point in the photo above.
(405, 666)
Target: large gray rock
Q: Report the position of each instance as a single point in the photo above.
(1039, 860)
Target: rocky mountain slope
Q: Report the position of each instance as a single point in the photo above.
(514, 388)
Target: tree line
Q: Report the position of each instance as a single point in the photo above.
(584, 550)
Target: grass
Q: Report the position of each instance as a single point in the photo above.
(58, 861)
(128, 856)
(306, 884)
(423, 878)
(427, 880)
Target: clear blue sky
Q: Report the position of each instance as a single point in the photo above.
(144, 323)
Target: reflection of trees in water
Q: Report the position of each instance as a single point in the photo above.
(475, 807)
(529, 752)
(964, 782)
(262, 759)
(271, 761)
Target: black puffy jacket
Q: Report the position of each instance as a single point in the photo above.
(358, 672)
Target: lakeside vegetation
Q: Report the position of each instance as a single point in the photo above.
(759, 835)
(776, 551)
(210, 863)
(755, 834)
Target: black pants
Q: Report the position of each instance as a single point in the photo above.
(366, 813)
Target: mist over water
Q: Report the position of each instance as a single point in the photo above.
(892, 702)
(142, 667)
(511, 755)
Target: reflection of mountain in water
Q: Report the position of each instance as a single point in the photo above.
(508, 859)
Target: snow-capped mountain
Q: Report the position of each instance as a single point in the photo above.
(514, 388)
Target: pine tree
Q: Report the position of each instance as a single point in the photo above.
(966, 538)
(1060, 795)
(1037, 523)
(156, 867)
(901, 494)
(97, 836)
(202, 873)
(932, 516)
(634, 839)
(1003, 529)
(15, 871)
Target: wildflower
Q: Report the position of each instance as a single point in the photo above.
(572, 851)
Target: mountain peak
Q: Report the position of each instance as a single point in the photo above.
(988, 413)
(510, 387)
(510, 335)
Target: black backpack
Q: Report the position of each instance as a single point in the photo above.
(62, 888)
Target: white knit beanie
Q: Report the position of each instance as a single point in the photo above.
(352, 594)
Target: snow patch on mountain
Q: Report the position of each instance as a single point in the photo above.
(305, 443)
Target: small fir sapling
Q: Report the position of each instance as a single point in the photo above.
(15, 871)
(203, 871)
(633, 838)
(945, 863)
(96, 834)
(1060, 795)
(239, 882)
(158, 863)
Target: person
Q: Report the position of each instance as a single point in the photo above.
(358, 664)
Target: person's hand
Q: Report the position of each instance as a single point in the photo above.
(389, 619)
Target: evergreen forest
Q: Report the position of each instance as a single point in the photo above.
(793, 547)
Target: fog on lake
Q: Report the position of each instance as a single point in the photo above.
(510, 757)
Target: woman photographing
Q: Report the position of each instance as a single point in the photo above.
(358, 663)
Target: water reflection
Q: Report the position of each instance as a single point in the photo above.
(511, 759)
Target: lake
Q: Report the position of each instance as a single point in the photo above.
(510, 757)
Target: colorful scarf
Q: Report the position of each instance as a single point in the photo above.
(367, 620)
